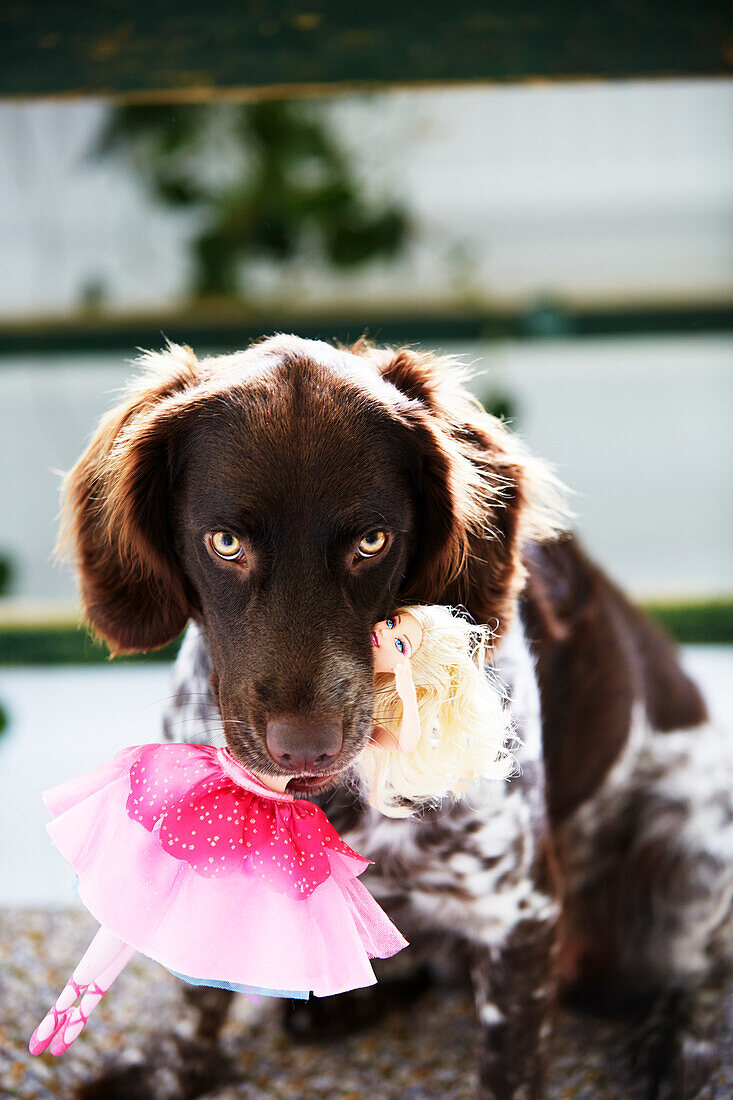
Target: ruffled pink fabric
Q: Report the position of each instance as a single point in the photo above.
(215, 824)
(188, 857)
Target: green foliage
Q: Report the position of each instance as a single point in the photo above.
(707, 622)
(6, 573)
(266, 181)
(500, 403)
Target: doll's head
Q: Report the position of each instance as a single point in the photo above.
(396, 639)
(466, 729)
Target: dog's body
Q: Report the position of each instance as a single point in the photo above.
(607, 864)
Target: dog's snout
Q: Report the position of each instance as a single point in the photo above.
(304, 743)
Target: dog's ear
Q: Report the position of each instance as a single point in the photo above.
(116, 523)
(480, 496)
(445, 488)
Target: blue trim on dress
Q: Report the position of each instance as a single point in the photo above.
(254, 990)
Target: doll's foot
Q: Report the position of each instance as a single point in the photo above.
(48, 1028)
(65, 1022)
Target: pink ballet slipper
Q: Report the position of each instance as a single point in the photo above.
(52, 1023)
(76, 1018)
(66, 1020)
(104, 959)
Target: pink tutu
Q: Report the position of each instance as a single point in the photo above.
(190, 859)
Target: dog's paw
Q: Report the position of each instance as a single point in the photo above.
(692, 1067)
(673, 1050)
(169, 1068)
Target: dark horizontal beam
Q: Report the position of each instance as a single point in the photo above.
(233, 329)
(64, 645)
(708, 622)
(147, 50)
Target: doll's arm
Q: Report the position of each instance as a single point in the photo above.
(104, 959)
(408, 737)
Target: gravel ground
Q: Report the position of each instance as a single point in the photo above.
(426, 1053)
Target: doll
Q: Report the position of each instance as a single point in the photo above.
(222, 849)
(245, 887)
(445, 690)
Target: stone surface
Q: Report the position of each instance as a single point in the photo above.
(425, 1053)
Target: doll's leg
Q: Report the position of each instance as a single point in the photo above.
(104, 959)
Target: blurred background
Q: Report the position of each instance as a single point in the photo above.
(573, 243)
(571, 239)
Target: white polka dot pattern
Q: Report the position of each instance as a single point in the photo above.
(214, 824)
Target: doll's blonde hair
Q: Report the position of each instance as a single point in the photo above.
(466, 728)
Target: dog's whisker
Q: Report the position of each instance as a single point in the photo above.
(381, 721)
(176, 699)
(210, 737)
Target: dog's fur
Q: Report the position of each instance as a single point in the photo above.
(607, 864)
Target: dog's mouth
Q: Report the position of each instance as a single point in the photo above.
(308, 783)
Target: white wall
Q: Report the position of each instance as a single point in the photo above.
(599, 191)
(641, 430)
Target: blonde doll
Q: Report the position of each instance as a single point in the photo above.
(432, 685)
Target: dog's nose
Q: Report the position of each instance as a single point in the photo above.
(304, 743)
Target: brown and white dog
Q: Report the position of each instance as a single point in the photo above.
(286, 498)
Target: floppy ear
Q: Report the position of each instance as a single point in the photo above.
(444, 485)
(480, 496)
(116, 521)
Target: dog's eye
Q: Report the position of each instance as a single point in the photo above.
(372, 544)
(224, 544)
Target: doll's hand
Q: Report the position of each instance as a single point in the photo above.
(403, 680)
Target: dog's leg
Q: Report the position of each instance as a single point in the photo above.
(210, 1007)
(515, 988)
(674, 1049)
(323, 1019)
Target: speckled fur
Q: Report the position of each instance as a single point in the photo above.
(649, 865)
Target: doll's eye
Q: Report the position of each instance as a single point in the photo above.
(225, 545)
(390, 623)
(372, 544)
(399, 645)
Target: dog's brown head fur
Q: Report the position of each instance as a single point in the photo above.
(297, 450)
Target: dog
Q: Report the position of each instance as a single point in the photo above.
(283, 499)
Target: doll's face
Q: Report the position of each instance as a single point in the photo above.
(395, 640)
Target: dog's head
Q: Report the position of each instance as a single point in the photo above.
(287, 498)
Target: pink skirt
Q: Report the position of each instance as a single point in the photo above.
(145, 872)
